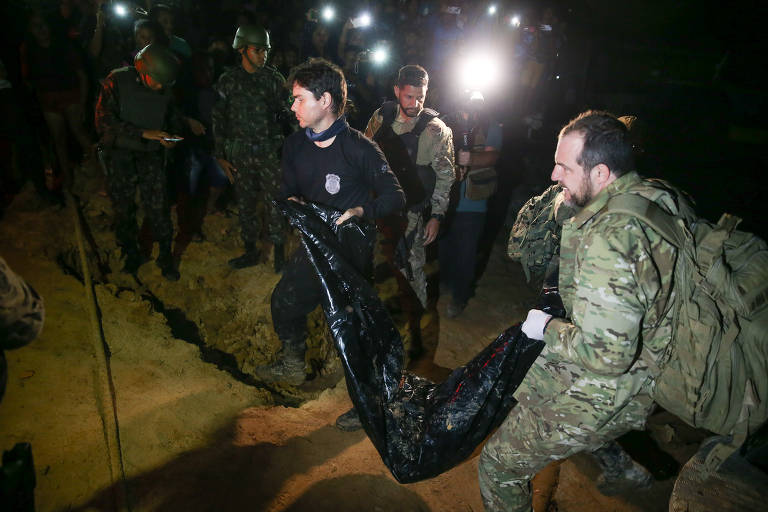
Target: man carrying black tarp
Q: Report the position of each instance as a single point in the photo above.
(334, 165)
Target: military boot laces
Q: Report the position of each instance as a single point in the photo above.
(249, 259)
(279, 258)
(289, 369)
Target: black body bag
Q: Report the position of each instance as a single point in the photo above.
(421, 429)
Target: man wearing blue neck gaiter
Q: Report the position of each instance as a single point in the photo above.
(329, 163)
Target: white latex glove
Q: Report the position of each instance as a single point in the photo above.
(534, 324)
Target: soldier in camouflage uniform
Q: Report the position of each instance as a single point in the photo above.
(248, 136)
(594, 378)
(435, 150)
(135, 116)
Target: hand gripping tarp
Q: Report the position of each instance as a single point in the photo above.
(419, 428)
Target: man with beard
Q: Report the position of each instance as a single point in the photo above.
(419, 149)
(594, 378)
(425, 171)
(328, 163)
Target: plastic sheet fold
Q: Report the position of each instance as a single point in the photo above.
(420, 428)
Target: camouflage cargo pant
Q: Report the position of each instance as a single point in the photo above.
(414, 236)
(542, 430)
(258, 182)
(125, 171)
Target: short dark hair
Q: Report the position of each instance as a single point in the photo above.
(320, 76)
(412, 74)
(606, 141)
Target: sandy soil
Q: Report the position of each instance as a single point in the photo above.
(193, 437)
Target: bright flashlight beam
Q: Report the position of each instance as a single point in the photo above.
(479, 73)
(365, 19)
(379, 55)
(515, 21)
(328, 13)
(120, 10)
(492, 10)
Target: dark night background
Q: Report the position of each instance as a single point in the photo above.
(693, 73)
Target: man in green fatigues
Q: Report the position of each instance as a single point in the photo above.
(248, 136)
(135, 116)
(433, 151)
(594, 378)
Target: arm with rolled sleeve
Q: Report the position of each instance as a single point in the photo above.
(614, 285)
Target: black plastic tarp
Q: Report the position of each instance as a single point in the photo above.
(420, 428)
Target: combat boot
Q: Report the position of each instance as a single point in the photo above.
(279, 253)
(250, 258)
(166, 263)
(620, 474)
(349, 421)
(288, 369)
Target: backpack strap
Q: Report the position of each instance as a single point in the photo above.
(388, 112)
(425, 117)
(650, 213)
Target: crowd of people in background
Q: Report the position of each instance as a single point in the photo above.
(64, 49)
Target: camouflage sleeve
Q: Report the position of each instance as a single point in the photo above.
(107, 114)
(21, 310)
(219, 117)
(374, 123)
(617, 284)
(442, 164)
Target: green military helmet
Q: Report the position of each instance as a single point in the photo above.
(158, 62)
(251, 35)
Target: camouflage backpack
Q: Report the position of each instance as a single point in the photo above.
(715, 374)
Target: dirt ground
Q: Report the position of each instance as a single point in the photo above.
(195, 436)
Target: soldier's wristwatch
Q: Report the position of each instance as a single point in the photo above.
(438, 216)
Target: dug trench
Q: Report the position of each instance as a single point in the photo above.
(197, 430)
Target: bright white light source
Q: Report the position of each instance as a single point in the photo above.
(515, 21)
(120, 10)
(328, 13)
(492, 10)
(379, 55)
(365, 19)
(479, 71)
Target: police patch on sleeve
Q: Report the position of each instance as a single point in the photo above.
(332, 183)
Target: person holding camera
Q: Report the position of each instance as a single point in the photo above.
(477, 152)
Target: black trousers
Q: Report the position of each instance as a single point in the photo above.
(299, 292)
(458, 254)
